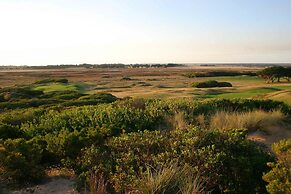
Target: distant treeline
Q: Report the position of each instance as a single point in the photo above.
(86, 65)
(247, 64)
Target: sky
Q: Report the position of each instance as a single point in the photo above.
(48, 32)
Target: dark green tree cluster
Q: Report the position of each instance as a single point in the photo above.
(276, 73)
(219, 74)
(211, 84)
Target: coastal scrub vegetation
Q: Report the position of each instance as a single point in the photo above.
(141, 145)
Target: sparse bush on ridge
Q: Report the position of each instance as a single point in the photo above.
(50, 80)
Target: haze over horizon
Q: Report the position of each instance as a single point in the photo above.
(46, 32)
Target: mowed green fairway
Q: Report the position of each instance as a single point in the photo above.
(247, 87)
(60, 87)
(244, 93)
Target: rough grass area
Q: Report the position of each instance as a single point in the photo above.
(252, 120)
(284, 96)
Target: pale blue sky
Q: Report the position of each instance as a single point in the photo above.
(40, 32)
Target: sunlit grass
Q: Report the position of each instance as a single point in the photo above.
(258, 119)
(59, 87)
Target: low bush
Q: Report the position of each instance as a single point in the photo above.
(209, 154)
(46, 81)
(8, 131)
(20, 160)
(218, 74)
(117, 142)
(279, 178)
(18, 93)
(125, 79)
(101, 96)
(224, 84)
(211, 84)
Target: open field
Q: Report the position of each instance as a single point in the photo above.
(150, 82)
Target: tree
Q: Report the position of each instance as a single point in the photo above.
(271, 74)
(288, 73)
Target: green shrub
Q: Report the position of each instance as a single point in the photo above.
(211, 84)
(101, 96)
(8, 131)
(20, 160)
(18, 93)
(209, 153)
(67, 145)
(279, 178)
(224, 84)
(20, 104)
(46, 81)
(218, 74)
(125, 79)
(120, 140)
(17, 117)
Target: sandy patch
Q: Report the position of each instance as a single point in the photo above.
(54, 185)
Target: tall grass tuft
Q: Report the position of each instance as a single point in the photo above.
(252, 120)
(191, 183)
(97, 184)
(171, 179)
(177, 121)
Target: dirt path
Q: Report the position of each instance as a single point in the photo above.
(58, 185)
(271, 135)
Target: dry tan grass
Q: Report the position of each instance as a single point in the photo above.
(171, 179)
(177, 121)
(274, 134)
(60, 172)
(251, 120)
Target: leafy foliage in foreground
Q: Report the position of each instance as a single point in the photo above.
(119, 139)
(279, 178)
